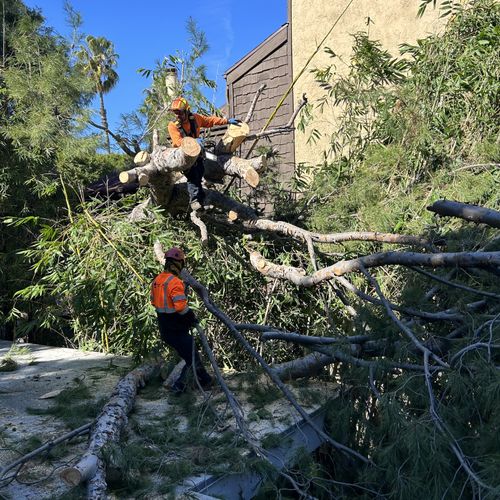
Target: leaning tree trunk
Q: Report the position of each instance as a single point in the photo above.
(104, 121)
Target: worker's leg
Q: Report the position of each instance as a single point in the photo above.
(194, 178)
(177, 336)
(184, 344)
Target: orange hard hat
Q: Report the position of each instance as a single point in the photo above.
(175, 253)
(180, 104)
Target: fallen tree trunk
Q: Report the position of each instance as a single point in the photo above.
(473, 213)
(163, 169)
(107, 429)
(298, 276)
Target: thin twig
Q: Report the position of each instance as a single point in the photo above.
(399, 323)
(455, 285)
(45, 447)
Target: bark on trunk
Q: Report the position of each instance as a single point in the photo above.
(471, 213)
(104, 121)
(307, 366)
(298, 276)
(107, 429)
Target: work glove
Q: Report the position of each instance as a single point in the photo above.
(200, 141)
(233, 121)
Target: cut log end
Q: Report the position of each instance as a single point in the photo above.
(241, 130)
(125, 178)
(141, 158)
(252, 178)
(190, 147)
(143, 179)
(71, 476)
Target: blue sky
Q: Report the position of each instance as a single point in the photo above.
(146, 31)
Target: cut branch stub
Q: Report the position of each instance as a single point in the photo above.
(163, 161)
(218, 166)
(235, 135)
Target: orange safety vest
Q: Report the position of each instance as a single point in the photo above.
(168, 294)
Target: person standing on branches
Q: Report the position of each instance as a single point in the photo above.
(175, 318)
(188, 124)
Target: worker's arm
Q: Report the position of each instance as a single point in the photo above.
(209, 121)
(175, 135)
(179, 299)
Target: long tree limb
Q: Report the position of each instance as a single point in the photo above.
(338, 355)
(107, 429)
(300, 234)
(299, 277)
(203, 293)
(472, 213)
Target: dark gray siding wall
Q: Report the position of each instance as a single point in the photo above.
(269, 64)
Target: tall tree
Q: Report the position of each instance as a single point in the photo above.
(192, 80)
(98, 58)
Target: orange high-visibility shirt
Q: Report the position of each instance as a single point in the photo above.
(201, 122)
(168, 294)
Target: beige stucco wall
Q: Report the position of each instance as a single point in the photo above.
(393, 22)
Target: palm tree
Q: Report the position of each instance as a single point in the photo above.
(98, 59)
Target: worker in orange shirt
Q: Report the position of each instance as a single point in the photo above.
(188, 124)
(175, 318)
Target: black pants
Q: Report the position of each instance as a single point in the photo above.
(194, 177)
(175, 333)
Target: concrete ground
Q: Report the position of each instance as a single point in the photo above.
(43, 371)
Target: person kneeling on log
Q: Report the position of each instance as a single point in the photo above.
(188, 125)
(175, 318)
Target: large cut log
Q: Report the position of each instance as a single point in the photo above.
(235, 135)
(163, 169)
(163, 161)
(218, 166)
(106, 430)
